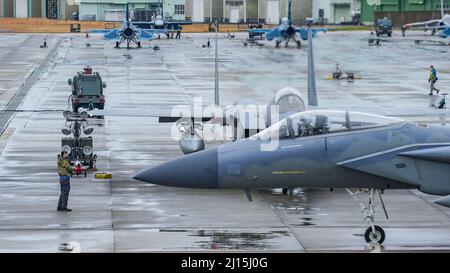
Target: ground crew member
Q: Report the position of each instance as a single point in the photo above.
(432, 80)
(64, 172)
(208, 44)
(178, 32)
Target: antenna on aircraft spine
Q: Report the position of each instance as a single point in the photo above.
(312, 94)
(216, 68)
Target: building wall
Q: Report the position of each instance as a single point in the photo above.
(8, 8)
(36, 8)
(368, 7)
(255, 10)
(89, 9)
(217, 10)
(21, 9)
(206, 10)
(229, 4)
(169, 9)
(330, 9)
(302, 9)
(188, 10)
(252, 10)
(69, 7)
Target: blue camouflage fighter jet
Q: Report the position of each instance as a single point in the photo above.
(161, 25)
(127, 32)
(285, 32)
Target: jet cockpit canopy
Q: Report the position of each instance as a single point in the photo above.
(317, 122)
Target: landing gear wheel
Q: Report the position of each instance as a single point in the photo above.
(117, 44)
(285, 191)
(376, 236)
(277, 44)
(299, 44)
(139, 44)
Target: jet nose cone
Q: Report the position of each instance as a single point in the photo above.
(197, 170)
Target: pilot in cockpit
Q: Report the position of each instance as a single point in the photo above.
(321, 125)
(306, 127)
(310, 126)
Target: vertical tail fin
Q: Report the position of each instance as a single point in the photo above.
(159, 9)
(312, 94)
(127, 14)
(289, 11)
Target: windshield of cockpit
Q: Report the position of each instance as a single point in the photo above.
(318, 122)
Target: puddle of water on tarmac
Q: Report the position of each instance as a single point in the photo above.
(237, 240)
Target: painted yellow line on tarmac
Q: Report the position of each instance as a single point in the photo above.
(288, 172)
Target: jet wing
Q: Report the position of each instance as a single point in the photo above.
(303, 32)
(274, 33)
(445, 33)
(426, 166)
(112, 34)
(251, 118)
(163, 116)
(423, 25)
(101, 31)
(107, 33)
(145, 34)
(439, 154)
(259, 30)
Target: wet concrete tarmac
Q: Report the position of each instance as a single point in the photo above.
(123, 215)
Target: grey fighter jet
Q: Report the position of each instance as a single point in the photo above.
(323, 148)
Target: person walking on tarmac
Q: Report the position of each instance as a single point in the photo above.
(64, 172)
(178, 32)
(432, 80)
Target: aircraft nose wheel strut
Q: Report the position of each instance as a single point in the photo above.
(374, 233)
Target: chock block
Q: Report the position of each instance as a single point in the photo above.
(103, 175)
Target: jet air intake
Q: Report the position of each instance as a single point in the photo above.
(128, 32)
(290, 30)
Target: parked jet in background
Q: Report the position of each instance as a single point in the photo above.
(323, 149)
(161, 24)
(439, 26)
(244, 117)
(285, 32)
(126, 33)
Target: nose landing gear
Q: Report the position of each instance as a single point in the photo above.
(374, 233)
